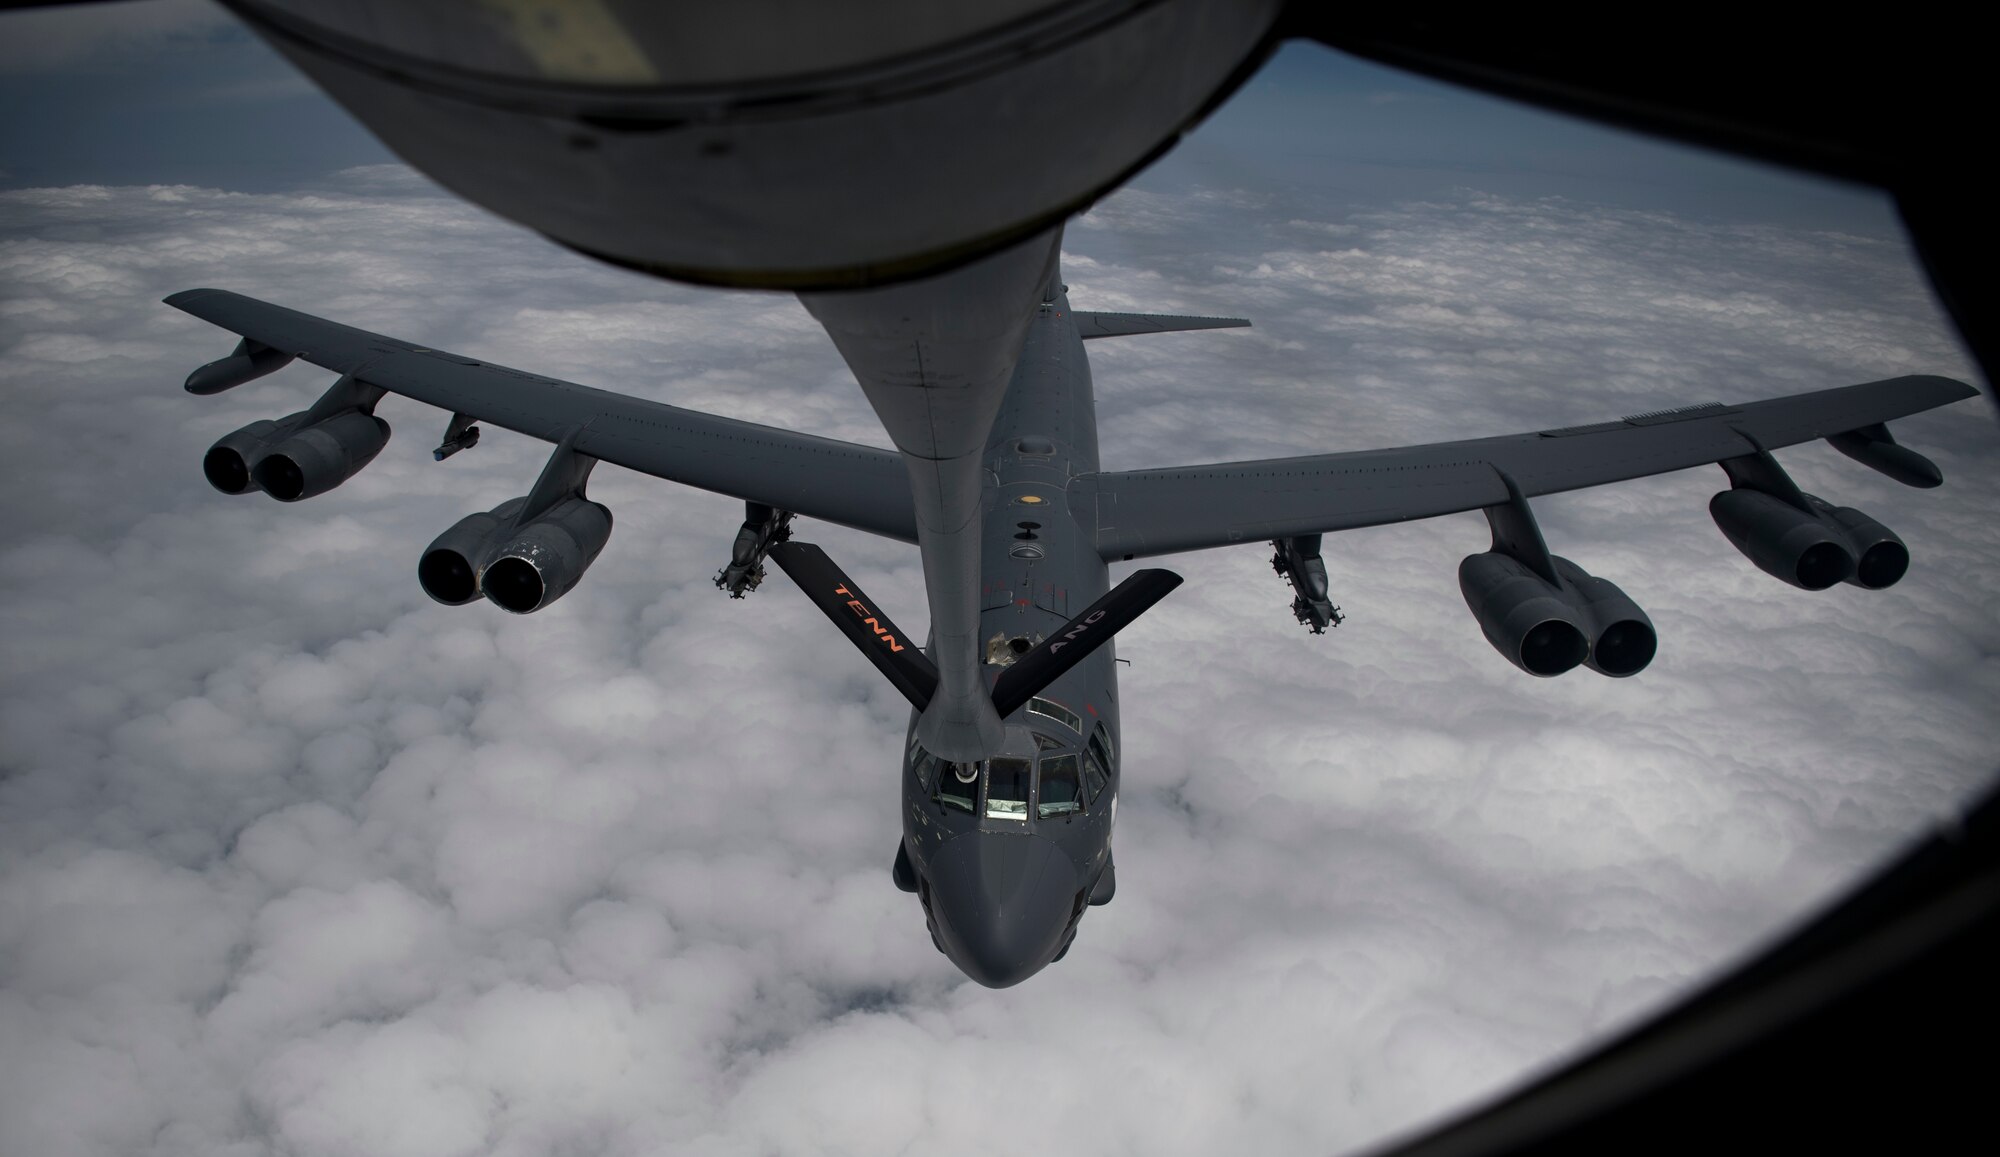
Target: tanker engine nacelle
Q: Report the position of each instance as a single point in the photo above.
(520, 566)
(1545, 628)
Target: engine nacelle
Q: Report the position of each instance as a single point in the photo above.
(228, 463)
(321, 456)
(545, 558)
(291, 459)
(1880, 558)
(449, 569)
(1802, 547)
(1525, 618)
(520, 568)
(1622, 639)
(1547, 628)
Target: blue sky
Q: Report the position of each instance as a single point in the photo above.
(293, 860)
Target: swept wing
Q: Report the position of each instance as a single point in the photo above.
(1138, 513)
(842, 482)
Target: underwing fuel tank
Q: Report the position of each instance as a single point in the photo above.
(791, 145)
(250, 362)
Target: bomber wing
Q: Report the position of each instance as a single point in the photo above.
(842, 482)
(1138, 513)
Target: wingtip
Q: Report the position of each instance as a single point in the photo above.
(186, 297)
(1959, 391)
(1950, 389)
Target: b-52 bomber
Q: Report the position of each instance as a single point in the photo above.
(1011, 768)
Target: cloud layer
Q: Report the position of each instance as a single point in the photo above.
(297, 861)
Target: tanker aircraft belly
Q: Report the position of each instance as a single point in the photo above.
(1011, 767)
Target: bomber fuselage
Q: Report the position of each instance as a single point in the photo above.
(1006, 853)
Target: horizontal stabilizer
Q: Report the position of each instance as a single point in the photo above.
(1090, 325)
(893, 653)
(1079, 637)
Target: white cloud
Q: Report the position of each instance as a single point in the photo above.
(294, 860)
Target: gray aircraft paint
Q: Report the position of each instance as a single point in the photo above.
(803, 147)
(935, 357)
(1004, 895)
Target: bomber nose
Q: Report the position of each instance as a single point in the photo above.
(1002, 902)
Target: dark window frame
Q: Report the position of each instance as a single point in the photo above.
(1077, 805)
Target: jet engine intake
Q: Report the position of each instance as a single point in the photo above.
(449, 569)
(320, 456)
(545, 558)
(227, 463)
(303, 454)
(1623, 641)
(1547, 628)
(1880, 558)
(1524, 617)
(521, 568)
(1804, 547)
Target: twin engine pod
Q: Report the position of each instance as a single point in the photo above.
(522, 566)
(1812, 546)
(296, 456)
(1547, 628)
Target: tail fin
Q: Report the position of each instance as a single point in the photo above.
(1090, 325)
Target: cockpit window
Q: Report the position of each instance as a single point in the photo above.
(1007, 788)
(1062, 794)
(1094, 777)
(1100, 741)
(1097, 764)
(1057, 712)
(957, 785)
